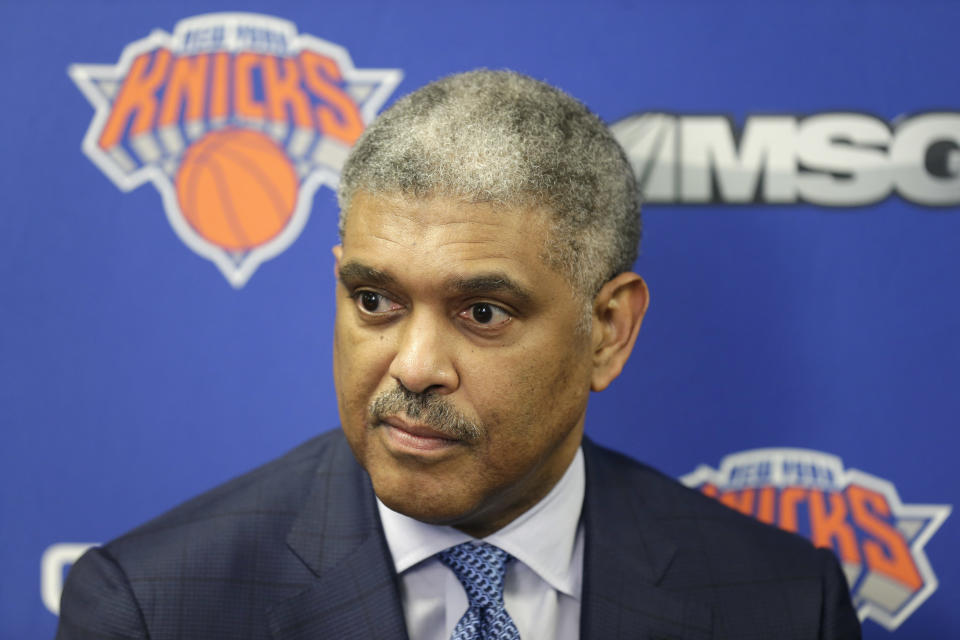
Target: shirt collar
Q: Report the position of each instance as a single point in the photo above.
(543, 538)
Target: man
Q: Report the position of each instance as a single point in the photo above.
(489, 225)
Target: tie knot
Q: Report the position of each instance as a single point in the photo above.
(480, 569)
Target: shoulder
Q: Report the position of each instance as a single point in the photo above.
(271, 493)
(223, 550)
(688, 515)
(752, 575)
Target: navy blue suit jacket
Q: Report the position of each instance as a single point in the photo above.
(294, 549)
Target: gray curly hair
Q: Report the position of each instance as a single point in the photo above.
(504, 138)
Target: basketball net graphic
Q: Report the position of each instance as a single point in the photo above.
(237, 119)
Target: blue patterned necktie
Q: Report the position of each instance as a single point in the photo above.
(480, 569)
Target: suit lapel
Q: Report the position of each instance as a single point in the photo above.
(338, 537)
(627, 557)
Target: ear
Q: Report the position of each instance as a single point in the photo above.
(618, 311)
(337, 255)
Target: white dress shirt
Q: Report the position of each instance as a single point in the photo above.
(542, 588)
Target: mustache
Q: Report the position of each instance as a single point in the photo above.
(432, 410)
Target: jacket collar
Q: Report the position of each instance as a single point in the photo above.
(338, 536)
(628, 556)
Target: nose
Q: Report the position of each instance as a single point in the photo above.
(424, 362)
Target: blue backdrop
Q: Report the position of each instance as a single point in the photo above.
(802, 169)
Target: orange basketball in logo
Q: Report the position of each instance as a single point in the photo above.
(237, 188)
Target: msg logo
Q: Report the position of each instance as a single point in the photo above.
(830, 159)
(878, 539)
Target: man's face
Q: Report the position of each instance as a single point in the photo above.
(462, 380)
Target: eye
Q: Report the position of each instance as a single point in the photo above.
(374, 303)
(486, 314)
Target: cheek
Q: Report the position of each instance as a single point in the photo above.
(558, 395)
(536, 399)
(357, 368)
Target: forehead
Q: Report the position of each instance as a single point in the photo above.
(434, 213)
(446, 235)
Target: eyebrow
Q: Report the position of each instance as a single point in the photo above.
(480, 284)
(357, 271)
(490, 283)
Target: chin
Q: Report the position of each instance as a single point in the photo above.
(422, 501)
(431, 509)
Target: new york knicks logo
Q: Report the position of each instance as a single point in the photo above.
(236, 119)
(878, 539)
